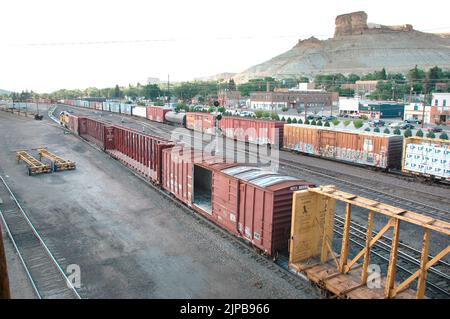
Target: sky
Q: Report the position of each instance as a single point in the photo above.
(49, 44)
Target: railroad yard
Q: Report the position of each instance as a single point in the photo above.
(132, 239)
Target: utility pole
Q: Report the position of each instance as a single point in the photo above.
(423, 109)
(168, 89)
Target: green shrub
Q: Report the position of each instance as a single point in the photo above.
(358, 123)
(294, 121)
(443, 136)
(397, 131)
(284, 109)
(364, 117)
(387, 131)
(259, 114)
(313, 122)
(307, 122)
(346, 122)
(367, 129)
(274, 116)
(335, 122)
(327, 124)
(283, 119)
(266, 114)
(431, 134)
(300, 121)
(377, 130)
(319, 123)
(407, 133)
(419, 133)
(289, 120)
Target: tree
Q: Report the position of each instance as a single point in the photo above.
(289, 121)
(415, 77)
(397, 131)
(376, 129)
(117, 92)
(294, 121)
(367, 129)
(386, 131)
(283, 119)
(434, 75)
(407, 133)
(327, 124)
(313, 122)
(300, 121)
(151, 91)
(431, 134)
(419, 133)
(443, 136)
(231, 85)
(319, 123)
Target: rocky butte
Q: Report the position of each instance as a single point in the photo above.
(358, 47)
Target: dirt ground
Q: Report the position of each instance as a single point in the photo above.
(129, 241)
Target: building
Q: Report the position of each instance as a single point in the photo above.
(153, 80)
(277, 101)
(230, 99)
(381, 109)
(432, 114)
(362, 88)
(440, 99)
(372, 109)
(348, 105)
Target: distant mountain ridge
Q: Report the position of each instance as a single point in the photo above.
(357, 47)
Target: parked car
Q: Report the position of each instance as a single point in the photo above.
(247, 114)
(413, 121)
(376, 123)
(406, 126)
(436, 129)
(395, 125)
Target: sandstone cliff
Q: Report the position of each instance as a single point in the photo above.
(358, 47)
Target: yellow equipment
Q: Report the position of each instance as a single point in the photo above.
(64, 119)
(58, 163)
(34, 166)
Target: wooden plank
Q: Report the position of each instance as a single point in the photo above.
(366, 262)
(390, 280)
(422, 281)
(345, 238)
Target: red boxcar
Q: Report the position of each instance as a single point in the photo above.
(201, 122)
(95, 131)
(250, 202)
(252, 130)
(156, 113)
(141, 152)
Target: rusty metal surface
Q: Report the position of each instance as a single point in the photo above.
(155, 113)
(373, 149)
(252, 130)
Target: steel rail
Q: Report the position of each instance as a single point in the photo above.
(52, 258)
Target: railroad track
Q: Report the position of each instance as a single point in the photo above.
(408, 260)
(45, 274)
(408, 256)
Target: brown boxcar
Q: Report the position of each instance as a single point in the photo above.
(141, 152)
(178, 172)
(258, 205)
(359, 147)
(201, 122)
(252, 130)
(73, 124)
(96, 131)
(156, 113)
(250, 202)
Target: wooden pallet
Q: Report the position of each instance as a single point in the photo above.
(312, 240)
(59, 163)
(34, 166)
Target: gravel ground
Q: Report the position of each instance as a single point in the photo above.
(129, 241)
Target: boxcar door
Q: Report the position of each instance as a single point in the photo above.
(327, 143)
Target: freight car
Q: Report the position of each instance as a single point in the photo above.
(253, 130)
(363, 148)
(250, 202)
(426, 157)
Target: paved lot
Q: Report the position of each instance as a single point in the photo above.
(128, 240)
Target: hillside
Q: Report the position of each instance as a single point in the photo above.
(358, 47)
